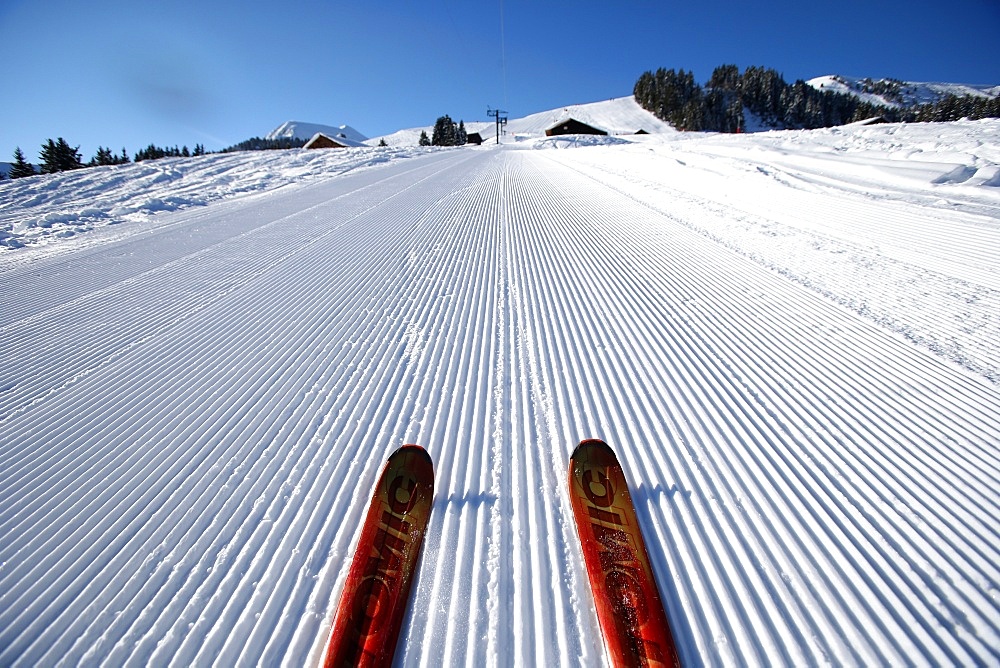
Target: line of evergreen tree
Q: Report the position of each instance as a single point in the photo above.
(675, 97)
(58, 156)
(954, 107)
(104, 156)
(153, 152)
(258, 144)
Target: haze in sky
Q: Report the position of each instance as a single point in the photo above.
(120, 73)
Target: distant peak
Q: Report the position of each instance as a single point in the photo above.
(304, 131)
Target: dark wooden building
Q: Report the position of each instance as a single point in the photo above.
(320, 140)
(571, 126)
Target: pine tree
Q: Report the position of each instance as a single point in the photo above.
(381, 142)
(21, 167)
(725, 78)
(48, 157)
(461, 136)
(424, 141)
(59, 156)
(152, 152)
(444, 132)
(104, 156)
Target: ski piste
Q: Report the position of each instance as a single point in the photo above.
(636, 632)
(370, 613)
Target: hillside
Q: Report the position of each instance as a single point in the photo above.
(899, 94)
(617, 116)
(790, 338)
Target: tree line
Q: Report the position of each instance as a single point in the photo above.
(258, 144)
(59, 156)
(719, 106)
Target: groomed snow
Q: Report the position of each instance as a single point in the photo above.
(791, 339)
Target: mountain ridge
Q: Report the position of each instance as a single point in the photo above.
(304, 131)
(898, 94)
(622, 115)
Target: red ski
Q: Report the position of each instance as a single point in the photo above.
(636, 632)
(370, 613)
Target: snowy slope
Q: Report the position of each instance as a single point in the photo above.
(617, 116)
(911, 93)
(790, 338)
(53, 209)
(300, 130)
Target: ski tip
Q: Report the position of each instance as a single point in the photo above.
(415, 450)
(592, 444)
(592, 452)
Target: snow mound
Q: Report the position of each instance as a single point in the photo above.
(40, 210)
(578, 141)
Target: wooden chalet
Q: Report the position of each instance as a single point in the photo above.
(320, 140)
(571, 126)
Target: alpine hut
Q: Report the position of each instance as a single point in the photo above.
(320, 140)
(571, 126)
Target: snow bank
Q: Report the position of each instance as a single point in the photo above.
(577, 141)
(861, 214)
(42, 209)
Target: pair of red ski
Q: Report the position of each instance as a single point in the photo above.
(370, 614)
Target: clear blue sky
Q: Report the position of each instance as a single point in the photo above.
(132, 72)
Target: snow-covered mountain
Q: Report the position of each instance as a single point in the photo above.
(895, 93)
(300, 130)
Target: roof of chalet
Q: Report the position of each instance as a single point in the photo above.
(320, 140)
(575, 127)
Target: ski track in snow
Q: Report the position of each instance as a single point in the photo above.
(193, 414)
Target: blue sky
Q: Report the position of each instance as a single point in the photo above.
(126, 73)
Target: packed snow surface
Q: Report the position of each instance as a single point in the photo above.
(791, 339)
